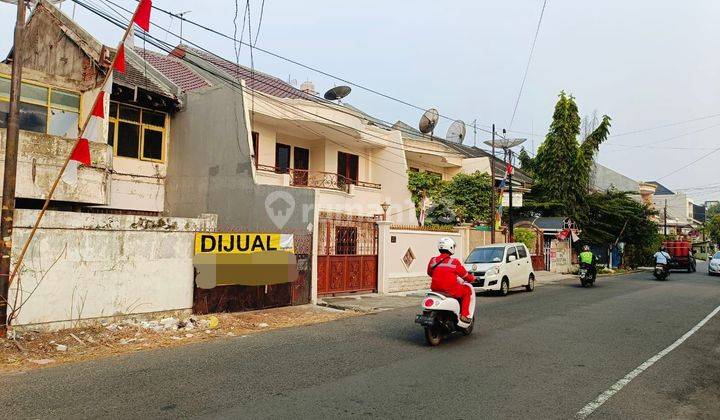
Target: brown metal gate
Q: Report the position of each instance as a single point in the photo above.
(248, 298)
(347, 254)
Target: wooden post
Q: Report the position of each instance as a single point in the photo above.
(10, 170)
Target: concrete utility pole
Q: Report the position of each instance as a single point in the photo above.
(665, 220)
(493, 206)
(10, 171)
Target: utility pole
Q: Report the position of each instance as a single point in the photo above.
(665, 220)
(511, 231)
(10, 170)
(493, 205)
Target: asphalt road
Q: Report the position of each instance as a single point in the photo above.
(545, 354)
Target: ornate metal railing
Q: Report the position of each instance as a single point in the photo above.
(317, 179)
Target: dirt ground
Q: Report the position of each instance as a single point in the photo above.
(34, 349)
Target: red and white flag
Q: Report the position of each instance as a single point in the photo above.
(94, 131)
(142, 15)
(80, 155)
(142, 19)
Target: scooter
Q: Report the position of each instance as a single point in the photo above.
(441, 317)
(661, 272)
(586, 278)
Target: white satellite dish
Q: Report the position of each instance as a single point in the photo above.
(456, 132)
(429, 120)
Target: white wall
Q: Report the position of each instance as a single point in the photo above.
(423, 244)
(96, 265)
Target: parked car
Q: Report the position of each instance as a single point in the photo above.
(714, 265)
(501, 267)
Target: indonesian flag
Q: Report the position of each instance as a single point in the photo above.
(142, 19)
(142, 15)
(119, 63)
(80, 155)
(94, 131)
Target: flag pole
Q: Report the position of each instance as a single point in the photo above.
(40, 215)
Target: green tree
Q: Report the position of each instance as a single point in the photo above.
(614, 216)
(713, 228)
(468, 195)
(712, 211)
(423, 187)
(561, 169)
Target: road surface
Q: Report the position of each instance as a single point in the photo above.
(546, 354)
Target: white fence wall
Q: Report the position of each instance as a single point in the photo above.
(395, 275)
(81, 266)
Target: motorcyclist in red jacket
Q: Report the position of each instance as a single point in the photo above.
(445, 270)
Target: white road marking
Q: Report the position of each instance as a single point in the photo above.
(600, 400)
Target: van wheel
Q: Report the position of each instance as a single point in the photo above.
(504, 287)
(531, 283)
(432, 336)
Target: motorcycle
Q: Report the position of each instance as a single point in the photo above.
(586, 277)
(660, 272)
(441, 317)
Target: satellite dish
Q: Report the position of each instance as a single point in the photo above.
(456, 132)
(337, 93)
(429, 120)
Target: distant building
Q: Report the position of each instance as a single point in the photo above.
(682, 213)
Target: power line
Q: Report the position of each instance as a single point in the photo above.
(690, 164)
(158, 43)
(319, 101)
(527, 67)
(262, 12)
(305, 66)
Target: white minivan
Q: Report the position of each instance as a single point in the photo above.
(501, 267)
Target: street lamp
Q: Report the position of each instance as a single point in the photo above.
(507, 144)
(385, 206)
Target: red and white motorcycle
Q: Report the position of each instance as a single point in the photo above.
(441, 316)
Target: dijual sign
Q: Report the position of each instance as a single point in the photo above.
(242, 243)
(248, 259)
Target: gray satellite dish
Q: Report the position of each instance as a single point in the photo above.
(429, 120)
(505, 143)
(337, 93)
(456, 132)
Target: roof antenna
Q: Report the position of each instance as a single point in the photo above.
(180, 16)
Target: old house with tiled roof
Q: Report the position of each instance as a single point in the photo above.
(106, 245)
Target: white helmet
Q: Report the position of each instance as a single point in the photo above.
(446, 244)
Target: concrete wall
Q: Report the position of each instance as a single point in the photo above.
(396, 276)
(210, 169)
(95, 265)
(603, 178)
(40, 157)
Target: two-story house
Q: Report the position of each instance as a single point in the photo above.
(63, 66)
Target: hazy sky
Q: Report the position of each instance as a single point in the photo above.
(645, 63)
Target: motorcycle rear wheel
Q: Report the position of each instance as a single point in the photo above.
(433, 336)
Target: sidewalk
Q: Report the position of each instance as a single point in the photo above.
(373, 302)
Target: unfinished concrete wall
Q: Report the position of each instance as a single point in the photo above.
(95, 265)
(40, 157)
(210, 169)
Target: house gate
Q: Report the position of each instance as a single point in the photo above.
(236, 298)
(347, 254)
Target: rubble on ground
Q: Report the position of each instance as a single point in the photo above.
(35, 349)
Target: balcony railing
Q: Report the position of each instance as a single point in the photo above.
(318, 179)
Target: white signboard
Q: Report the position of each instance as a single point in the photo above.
(517, 199)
